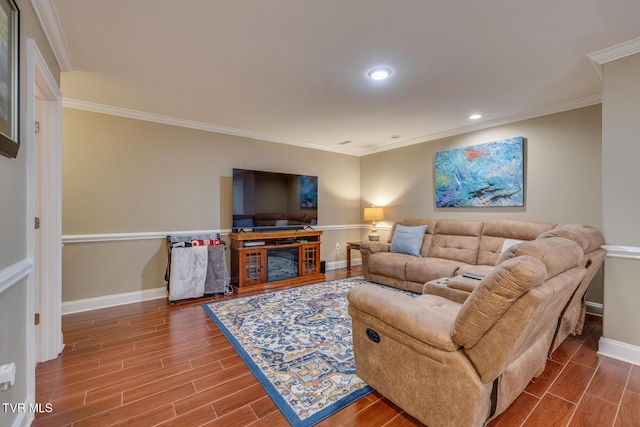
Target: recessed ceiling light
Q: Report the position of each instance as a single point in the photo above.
(395, 136)
(475, 116)
(344, 142)
(380, 73)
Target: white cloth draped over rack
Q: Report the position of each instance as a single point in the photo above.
(188, 272)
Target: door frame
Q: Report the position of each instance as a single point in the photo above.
(42, 90)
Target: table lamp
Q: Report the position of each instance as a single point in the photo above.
(373, 214)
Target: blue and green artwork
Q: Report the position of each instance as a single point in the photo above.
(490, 174)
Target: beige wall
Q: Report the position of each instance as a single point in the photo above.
(621, 176)
(13, 223)
(129, 176)
(621, 147)
(563, 174)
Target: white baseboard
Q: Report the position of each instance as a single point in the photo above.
(334, 265)
(113, 300)
(24, 419)
(25, 416)
(595, 308)
(78, 306)
(619, 351)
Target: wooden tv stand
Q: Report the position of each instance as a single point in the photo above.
(274, 259)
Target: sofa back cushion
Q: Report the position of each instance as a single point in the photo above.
(456, 240)
(556, 253)
(496, 231)
(590, 238)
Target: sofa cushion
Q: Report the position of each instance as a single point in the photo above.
(389, 264)
(589, 238)
(456, 240)
(496, 231)
(515, 229)
(555, 252)
(425, 269)
(441, 288)
(408, 239)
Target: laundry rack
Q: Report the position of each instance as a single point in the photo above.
(196, 266)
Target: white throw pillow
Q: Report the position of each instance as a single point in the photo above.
(508, 243)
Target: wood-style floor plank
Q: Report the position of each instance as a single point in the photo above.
(152, 364)
(610, 380)
(629, 413)
(552, 411)
(572, 382)
(517, 413)
(594, 411)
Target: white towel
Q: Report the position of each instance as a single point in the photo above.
(188, 272)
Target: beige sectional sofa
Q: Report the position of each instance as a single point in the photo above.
(451, 363)
(451, 248)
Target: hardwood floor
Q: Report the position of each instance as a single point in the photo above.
(149, 363)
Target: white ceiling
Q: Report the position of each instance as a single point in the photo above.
(295, 71)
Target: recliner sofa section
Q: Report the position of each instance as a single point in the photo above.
(465, 363)
(451, 248)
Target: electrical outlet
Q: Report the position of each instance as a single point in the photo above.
(337, 246)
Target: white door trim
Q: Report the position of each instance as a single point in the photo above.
(42, 88)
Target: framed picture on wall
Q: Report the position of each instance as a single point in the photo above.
(490, 174)
(9, 72)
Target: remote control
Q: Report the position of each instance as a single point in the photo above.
(473, 276)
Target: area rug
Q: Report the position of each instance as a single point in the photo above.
(297, 342)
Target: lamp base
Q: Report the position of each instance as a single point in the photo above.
(374, 237)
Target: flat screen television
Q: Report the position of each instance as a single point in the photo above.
(270, 201)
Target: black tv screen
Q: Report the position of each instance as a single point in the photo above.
(271, 200)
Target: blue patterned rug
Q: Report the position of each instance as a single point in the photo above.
(297, 342)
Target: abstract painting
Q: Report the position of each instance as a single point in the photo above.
(490, 174)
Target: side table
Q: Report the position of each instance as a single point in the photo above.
(350, 246)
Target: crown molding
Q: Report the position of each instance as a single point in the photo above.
(156, 118)
(597, 59)
(531, 114)
(191, 124)
(50, 24)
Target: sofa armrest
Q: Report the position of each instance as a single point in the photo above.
(427, 318)
(462, 283)
(373, 247)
